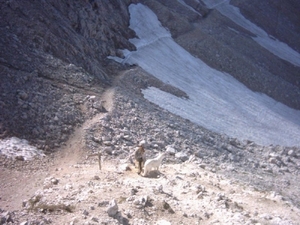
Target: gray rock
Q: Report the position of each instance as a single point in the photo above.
(54, 181)
(142, 201)
(182, 156)
(166, 206)
(20, 158)
(85, 212)
(6, 218)
(95, 219)
(112, 208)
(96, 177)
(170, 149)
(292, 153)
(106, 138)
(23, 95)
(99, 106)
(107, 143)
(103, 203)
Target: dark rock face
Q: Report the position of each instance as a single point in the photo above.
(280, 21)
(52, 53)
(277, 19)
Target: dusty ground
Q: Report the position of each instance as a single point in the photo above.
(181, 194)
(68, 188)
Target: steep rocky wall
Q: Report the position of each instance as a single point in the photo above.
(282, 21)
(279, 19)
(52, 56)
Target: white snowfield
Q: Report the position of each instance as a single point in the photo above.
(216, 101)
(274, 46)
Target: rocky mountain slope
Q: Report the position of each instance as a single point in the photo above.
(205, 179)
(60, 92)
(54, 53)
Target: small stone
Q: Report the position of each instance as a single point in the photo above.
(273, 160)
(103, 203)
(85, 212)
(6, 218)
(268, 170)
(170, 149)
(54, 181)
(274, 155)
(20, 158)
(266, 216)
(220, 196)
(291, 153)
(106, 138)
(99, 106)
(96, 177)
(143, 142)
(23, 95)
(95, 219)
(134, 191)
(182, 156)
(24, 203)
(200, 195)
(143, 200)
(167, 207)
(108, 150)
(130, 199)
(202, 166)
(113, 208)
(128, 214)
(107, 143)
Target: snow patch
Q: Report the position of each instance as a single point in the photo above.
(216, 101)
(14, 147)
